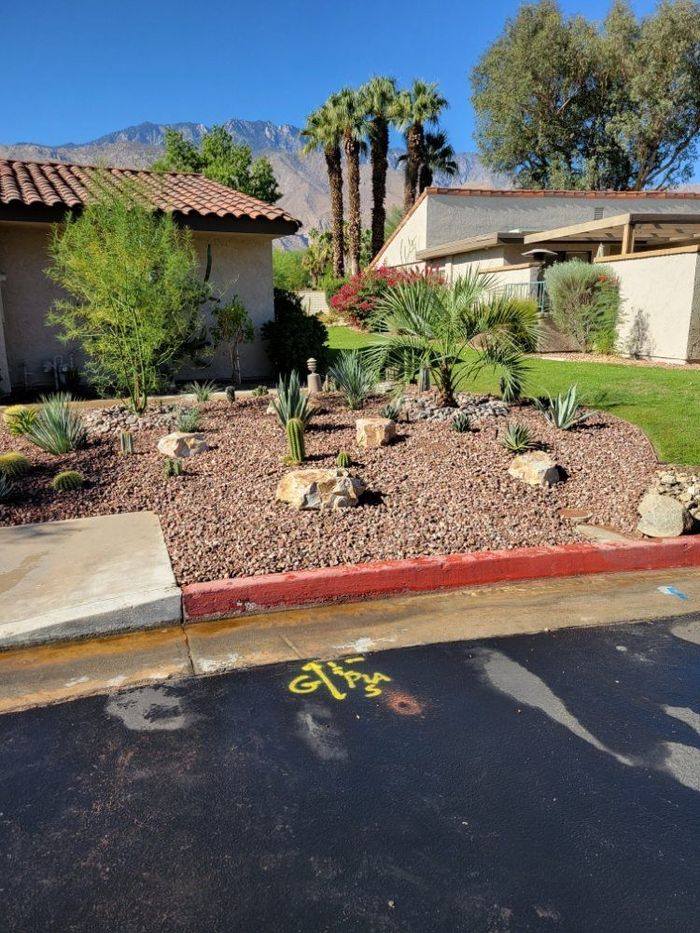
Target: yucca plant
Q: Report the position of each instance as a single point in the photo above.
(67, 481)
(7, 487)
(564, 411)
(173, 467)
(188, 420)
(461, 423)
(343, 461)
(57, 429)
(517, 438)
(18, 419)
(202, 391)
(354, 376)
(13, 465)
(290, 401)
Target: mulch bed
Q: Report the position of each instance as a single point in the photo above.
(432, 492)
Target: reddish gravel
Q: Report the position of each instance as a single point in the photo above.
(432, 492)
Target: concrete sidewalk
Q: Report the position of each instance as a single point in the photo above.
(84, 577)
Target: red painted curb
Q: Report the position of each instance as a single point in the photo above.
(237, 596)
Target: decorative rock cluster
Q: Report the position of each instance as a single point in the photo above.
(117, 418)
(375, 432)
(320, 489)
(672, 505)
(182, 444)
(426, 408)
(535, 468)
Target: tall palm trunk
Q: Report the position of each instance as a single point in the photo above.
(414, 153)
(352, 158)
(334, 168)
(425, 177)
(379, 142)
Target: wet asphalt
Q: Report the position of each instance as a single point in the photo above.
(545, 782)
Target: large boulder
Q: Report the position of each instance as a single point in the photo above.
(320, 489)
(182, 444)
(375, 432)
(663, 517)
(535, 468)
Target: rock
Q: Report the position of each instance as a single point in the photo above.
(375, 432)
(663, 517)
(182, 444)
(602, 533)
(535, 468)
(270, 410)
(320, 489)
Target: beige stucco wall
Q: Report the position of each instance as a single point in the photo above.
(411, 238)
(240, 265)
(660, 303)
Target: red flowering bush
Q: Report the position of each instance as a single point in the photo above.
(357, 299)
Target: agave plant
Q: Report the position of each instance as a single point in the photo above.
(291, 402)
(392, 409)
(57, 428)
(517, 438)
(564, 411)
(189, 419)
(202, 391)
(355, 377)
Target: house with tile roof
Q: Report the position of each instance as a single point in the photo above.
(238, 230)
(650, 238)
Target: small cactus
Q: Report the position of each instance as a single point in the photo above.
(230, 394)
(259, 391)
(343, 460)
(173, 467)
(461, 423)
(423, 379)
(7, 487)
(67, 481)
(13, 465)
(19, 419)
(126, 442)
(295, 440)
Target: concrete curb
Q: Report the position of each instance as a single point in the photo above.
(238, 596)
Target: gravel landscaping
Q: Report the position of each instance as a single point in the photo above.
(433, 491)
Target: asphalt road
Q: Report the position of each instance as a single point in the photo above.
(547, 782)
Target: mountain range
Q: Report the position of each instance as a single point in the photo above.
(302, 178)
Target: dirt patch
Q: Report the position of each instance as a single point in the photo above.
(432, 492)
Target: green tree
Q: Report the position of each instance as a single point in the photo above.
(380, 102)
(232, 327)
(438, 156)
(222, 159)
(323, 131)
(135, 291)
(426, 325)
(567, 103)
(319, 255)
(420, 105)
(289, 269)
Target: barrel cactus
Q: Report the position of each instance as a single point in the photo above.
(343, 460)
(295, 440)
(230, 394)
(67, 481)
(13, 465)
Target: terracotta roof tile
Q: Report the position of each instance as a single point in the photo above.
(63, 184)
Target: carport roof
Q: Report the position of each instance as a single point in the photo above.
(30, 189)
(651, 228)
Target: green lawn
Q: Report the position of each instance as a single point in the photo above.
(665, 403)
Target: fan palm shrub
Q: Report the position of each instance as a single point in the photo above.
(57, 428)
(355, 376)
(452, 331)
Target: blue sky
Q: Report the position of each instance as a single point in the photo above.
(73, 71)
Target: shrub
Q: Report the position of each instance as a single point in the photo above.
(461, 423)
(392, 409)
(7, 487)
(291, 402)
(288, 269)
(294, 336)
(358, 299)
(585, 301)
(259, 391)
(564, 411)
(67, 481)
(18, 419)
(331, 285)
(57, 429)
(13, 465)
(173, 467)
(233, 327)
(517, 438)
(189, 419)
(354, 377)
(202, 391)
(343, 461)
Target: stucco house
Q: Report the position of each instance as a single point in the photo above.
(652, 238)
(36, 195)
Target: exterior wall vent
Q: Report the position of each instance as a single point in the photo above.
(598, 213)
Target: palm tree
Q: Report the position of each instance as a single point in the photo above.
(438, 156)
(380, 99)
(453, 331)
(352, 117)
(323, 131)
(422, 104)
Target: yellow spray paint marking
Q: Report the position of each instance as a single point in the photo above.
(336, 679)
